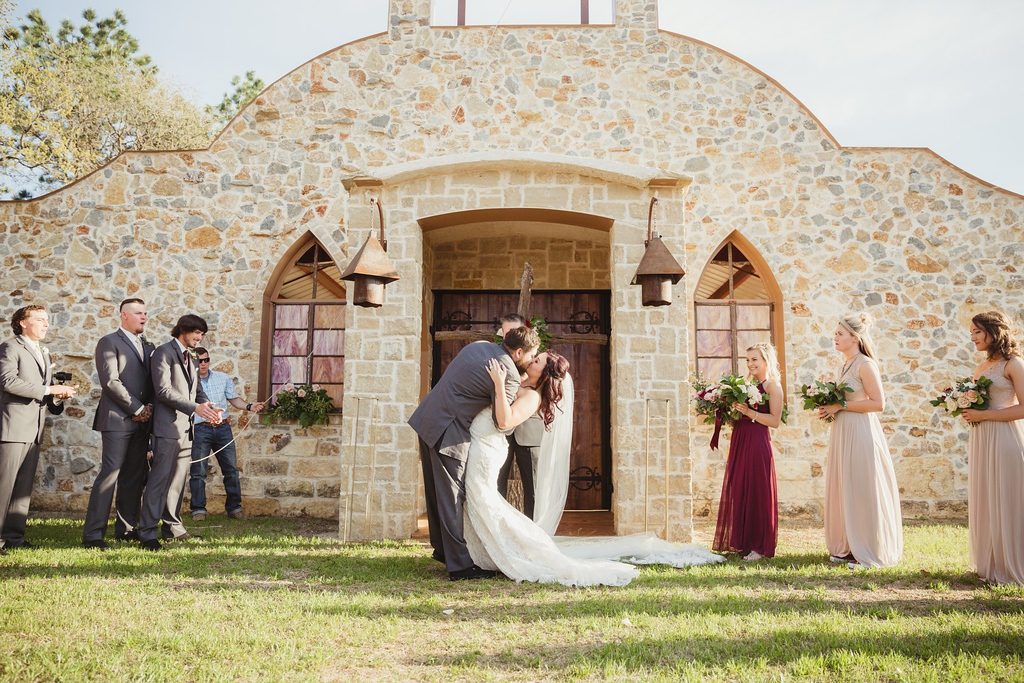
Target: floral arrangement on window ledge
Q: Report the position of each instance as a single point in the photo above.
(541, 325)
(307, 403)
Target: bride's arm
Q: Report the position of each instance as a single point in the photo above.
(526, 404)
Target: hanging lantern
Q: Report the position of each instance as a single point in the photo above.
(370, 269)
(658, 269)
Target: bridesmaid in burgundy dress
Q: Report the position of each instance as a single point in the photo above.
(748, 516)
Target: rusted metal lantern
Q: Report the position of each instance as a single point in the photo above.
(658, 269)
(370, 269)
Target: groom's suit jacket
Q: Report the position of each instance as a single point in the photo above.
(443, 417)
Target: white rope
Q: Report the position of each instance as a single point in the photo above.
(249, 422)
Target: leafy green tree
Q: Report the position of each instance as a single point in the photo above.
(73, 99)
(245, 90)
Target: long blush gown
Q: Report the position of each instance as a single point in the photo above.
(995, 489)
(862, 499)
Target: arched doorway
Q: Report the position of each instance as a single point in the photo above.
(477, 258)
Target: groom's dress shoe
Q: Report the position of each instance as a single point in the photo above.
(473, 572)
(438, 555)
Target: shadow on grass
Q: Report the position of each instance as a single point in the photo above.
(397, 579)
(783, 646)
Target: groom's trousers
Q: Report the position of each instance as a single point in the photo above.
(444, 488)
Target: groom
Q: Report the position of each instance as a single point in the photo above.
(442, 423)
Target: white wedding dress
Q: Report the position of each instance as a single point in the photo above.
(500, 537)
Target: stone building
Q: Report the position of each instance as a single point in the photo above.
(489, 147)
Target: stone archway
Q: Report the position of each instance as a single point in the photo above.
(462, 200)
(476, 259)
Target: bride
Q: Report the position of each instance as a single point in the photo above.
(500, 537)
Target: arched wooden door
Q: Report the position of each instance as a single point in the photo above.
(566, 313)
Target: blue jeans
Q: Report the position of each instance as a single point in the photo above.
(207, 439)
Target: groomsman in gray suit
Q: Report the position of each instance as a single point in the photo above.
(122, 419)
(177, 396)
(442, 422)
(25, 391)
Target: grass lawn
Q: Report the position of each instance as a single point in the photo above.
(273, 600)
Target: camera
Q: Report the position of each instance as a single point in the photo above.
(56, 407)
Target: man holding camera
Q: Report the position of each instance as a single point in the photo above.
(25, 391)
(123, 421)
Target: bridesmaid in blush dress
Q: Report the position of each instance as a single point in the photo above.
(995, 461)
(863, 521)
(748, 517)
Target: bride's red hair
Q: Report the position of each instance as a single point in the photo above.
(549, 386)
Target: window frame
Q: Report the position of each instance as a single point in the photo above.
(774, 303)
(272, 301)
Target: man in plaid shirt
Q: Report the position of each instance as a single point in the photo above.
(211, 438)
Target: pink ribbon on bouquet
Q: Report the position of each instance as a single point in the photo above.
(718, 430)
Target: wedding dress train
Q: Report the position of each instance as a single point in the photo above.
(500, 537)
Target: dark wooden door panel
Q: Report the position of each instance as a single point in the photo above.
(590, 484)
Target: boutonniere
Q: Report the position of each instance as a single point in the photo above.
(46, 351)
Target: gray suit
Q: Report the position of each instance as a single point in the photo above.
(442, 422)
(176, 393)
(126, 387)
(23, 399)
(524, 448)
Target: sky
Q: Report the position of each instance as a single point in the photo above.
(943, 74)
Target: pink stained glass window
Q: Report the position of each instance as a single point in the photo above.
(329, 342)
(288, 369)
(714, 343)
(714, 368)
(294, 317)
(746, 339)
(753, 317)
(713, 318)
(290, 342)
(336, 392)
(328, 369)
(328, 317)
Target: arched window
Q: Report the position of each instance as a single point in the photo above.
(304, 322)
(737, 304)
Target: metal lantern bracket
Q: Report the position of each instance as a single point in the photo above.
(658, 269)
(371, 269)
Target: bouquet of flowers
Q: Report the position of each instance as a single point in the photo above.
(822, 393)
(714, 400)
(965, 393)
(307, 403)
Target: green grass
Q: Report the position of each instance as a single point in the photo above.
(271, 600)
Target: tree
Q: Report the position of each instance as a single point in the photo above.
(245, 90)
(72, 100)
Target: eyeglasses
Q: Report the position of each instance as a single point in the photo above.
(203, 360)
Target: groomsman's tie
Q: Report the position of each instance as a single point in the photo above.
(188, 364)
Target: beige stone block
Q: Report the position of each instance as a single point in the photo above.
(257, 466)
(318, 508)
(285, 488)
(167, 186)
(311, 468)
(261, 507)
(297, 445)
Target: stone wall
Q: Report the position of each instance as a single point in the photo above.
(565, 118)
(496, 260)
